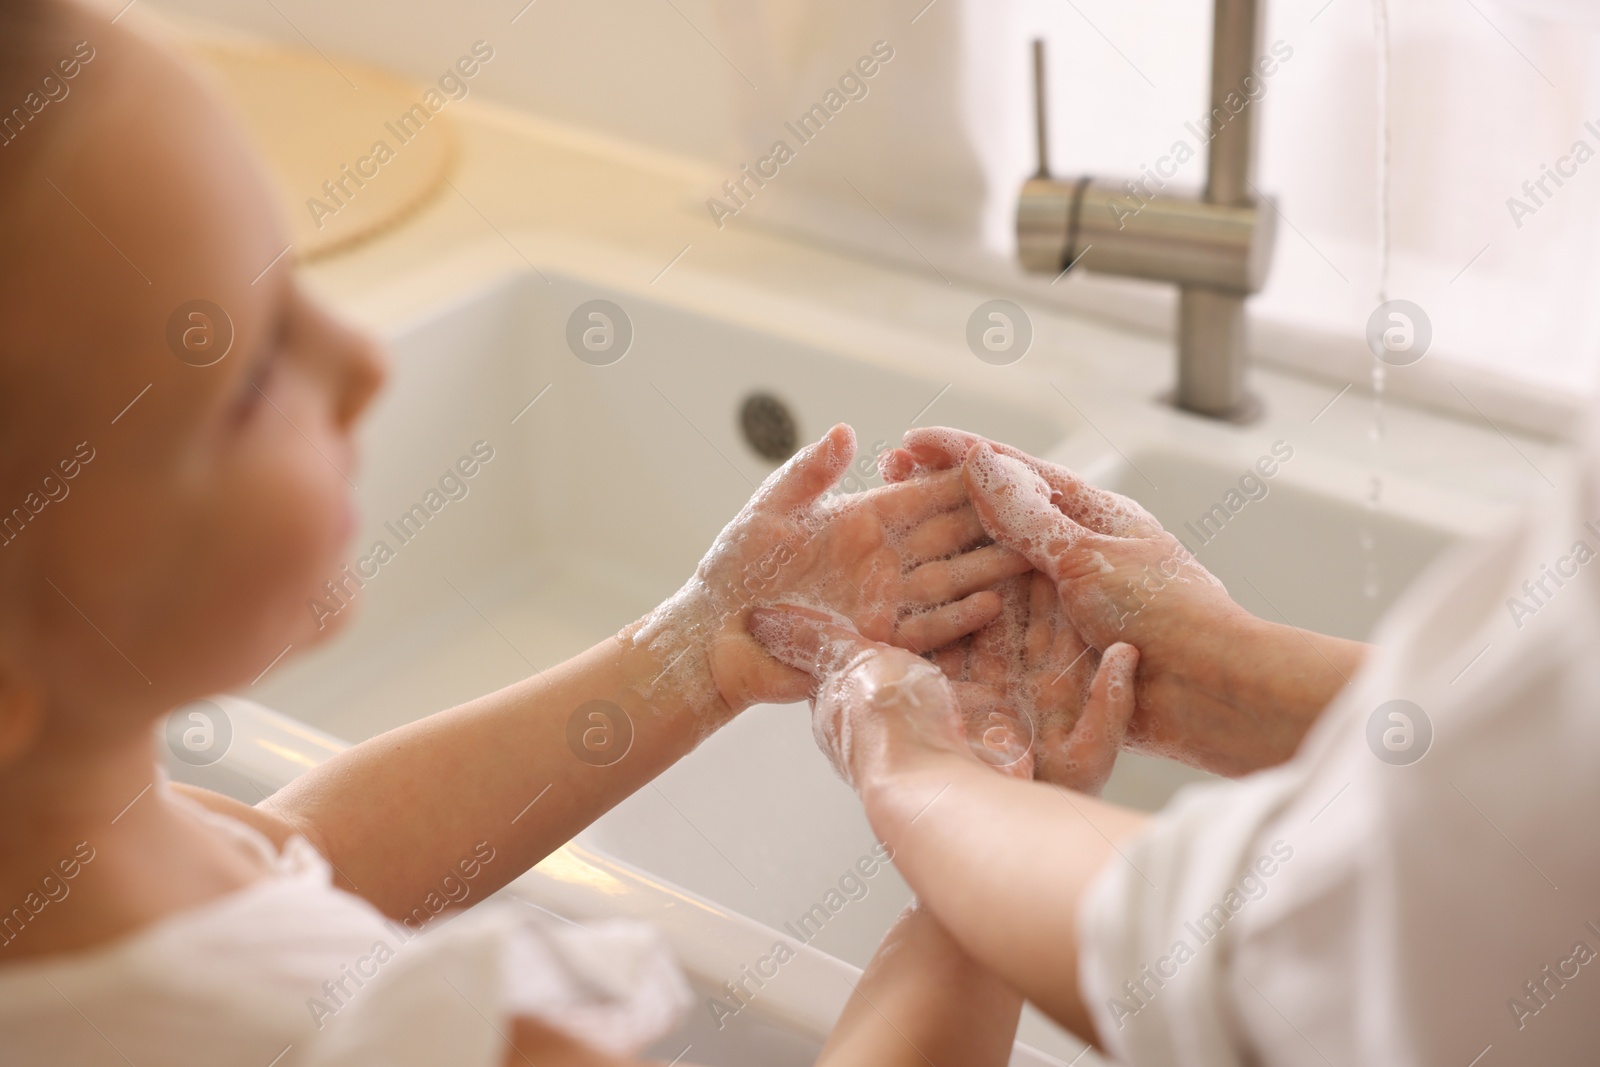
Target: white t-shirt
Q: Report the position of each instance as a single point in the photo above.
(292, 972)
(1352, 908)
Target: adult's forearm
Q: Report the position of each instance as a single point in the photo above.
(1240, 693)
(1293, 674)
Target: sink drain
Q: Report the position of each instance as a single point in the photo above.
(769, 427)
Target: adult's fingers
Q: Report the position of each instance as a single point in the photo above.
(996, 732)
(952, 660)
(940, 626)
(936, 448)
(1093, 745)
(896, 465)
(810, 472)
(1014, 504)
(941, 447)
(1042, 604)
(996, 657)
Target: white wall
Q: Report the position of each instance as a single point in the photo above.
(634, 68)
(1483, 93)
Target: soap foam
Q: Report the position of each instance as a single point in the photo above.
(936, 447)
(864, 686)
(1018, 507)
(679, 634)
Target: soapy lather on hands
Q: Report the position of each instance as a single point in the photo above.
(906, 564)
(911, 565)
(1216, 687)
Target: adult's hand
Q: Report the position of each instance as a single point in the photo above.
(906, 564)
(1216, 687)
(878, 708)
(1029, 682)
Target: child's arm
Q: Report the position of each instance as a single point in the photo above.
(924, 1000)
(516, 773)
(1002, 862)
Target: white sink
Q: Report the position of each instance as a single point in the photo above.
(601, 497)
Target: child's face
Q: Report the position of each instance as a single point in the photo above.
(217, 504)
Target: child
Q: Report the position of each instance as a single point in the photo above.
(164, 524)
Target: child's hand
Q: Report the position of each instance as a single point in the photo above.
(1036, 697)
(898, 562)
(874, 706)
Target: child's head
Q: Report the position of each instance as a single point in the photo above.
(180, 558)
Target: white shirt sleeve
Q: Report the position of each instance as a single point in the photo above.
(1355, 906)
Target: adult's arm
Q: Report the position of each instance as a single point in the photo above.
(1217, 687)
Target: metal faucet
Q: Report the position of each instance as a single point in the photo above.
(1216, 248)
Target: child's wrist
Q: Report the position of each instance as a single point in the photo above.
(888, 768)
(898, 791)
(666, 659)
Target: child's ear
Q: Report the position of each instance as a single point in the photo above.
(19, 717)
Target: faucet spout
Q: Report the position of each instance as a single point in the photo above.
(1217, 248)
